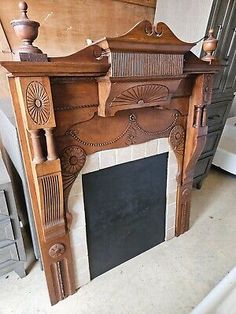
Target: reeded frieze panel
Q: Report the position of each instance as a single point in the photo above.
(131, 64)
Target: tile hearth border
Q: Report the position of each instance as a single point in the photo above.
(109, 158)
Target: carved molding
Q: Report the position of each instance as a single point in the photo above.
(38, 104)
(57, 250)
(75, 107)
(142, 94)
(56, 270)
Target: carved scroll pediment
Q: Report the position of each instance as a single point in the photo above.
(146, 37)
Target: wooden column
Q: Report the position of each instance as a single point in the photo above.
(34, 113)
(196, 133)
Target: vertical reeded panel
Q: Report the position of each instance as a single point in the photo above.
(145, 64)
(51, 199)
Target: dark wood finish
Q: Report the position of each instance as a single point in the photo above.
(91, 103)
(223, 20)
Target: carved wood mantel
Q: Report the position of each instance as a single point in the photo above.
(119, 91)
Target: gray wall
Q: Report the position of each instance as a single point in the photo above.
(186, 18)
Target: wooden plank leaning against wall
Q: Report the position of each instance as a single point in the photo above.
(66, 25)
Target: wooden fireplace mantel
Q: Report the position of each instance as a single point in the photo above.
(116, 92)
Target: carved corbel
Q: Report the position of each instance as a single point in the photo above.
(177, 140)
(72, 158)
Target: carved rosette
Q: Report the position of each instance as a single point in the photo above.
(72, 161)
(57, 250)
(37, 103)
(176, 139)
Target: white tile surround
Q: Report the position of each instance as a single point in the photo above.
(109, 158)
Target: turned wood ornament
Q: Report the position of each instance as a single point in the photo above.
(26, 30)
(209, 46)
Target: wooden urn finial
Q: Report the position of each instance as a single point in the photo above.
(209, 46)
(23, 6)
(26, 30)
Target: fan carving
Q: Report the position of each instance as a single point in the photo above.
(142, 94)
(37, 100)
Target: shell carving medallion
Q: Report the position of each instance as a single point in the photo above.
(142, 94)
(37, 102)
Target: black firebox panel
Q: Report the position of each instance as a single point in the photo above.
(125, 209)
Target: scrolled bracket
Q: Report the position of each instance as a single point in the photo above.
(72, 159)
(176, 141)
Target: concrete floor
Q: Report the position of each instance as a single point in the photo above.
(171, 278)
